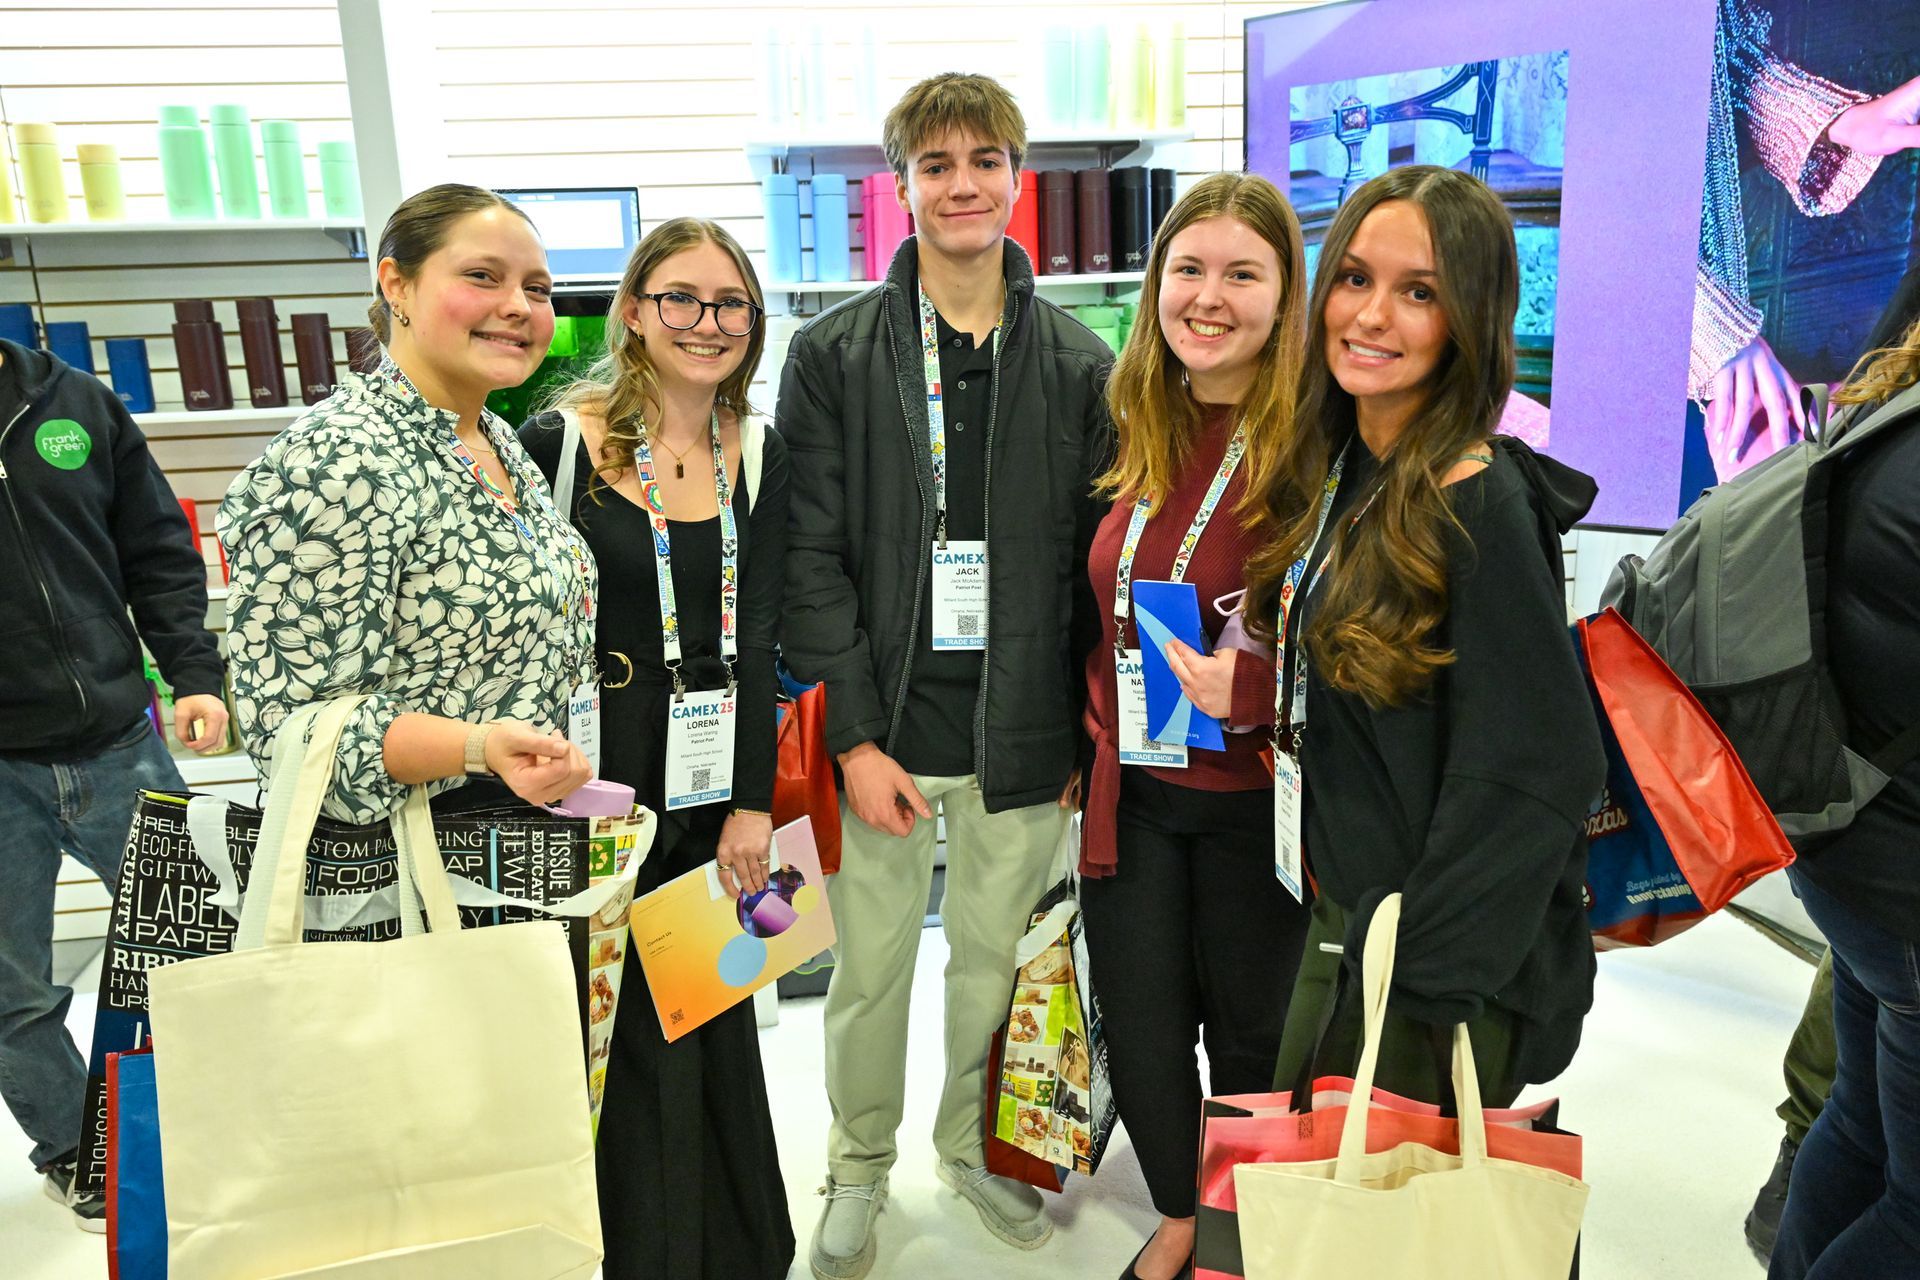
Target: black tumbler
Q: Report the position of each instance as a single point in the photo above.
(1131, 228)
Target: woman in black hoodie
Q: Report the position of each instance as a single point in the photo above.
(1433, 721)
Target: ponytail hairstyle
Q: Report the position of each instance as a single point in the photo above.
(1371, 632)
(418, 229)
(1154, 413)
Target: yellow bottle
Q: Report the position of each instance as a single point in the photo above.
(41, 182)
(100, 182)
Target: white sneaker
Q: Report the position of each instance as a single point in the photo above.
(843, 1246)
(1011, 1210)
(89, 1210)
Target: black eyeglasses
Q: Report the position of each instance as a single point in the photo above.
(735, 316)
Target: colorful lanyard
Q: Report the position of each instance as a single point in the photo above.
(936, 410)
(1292, 716)
(663, 554)
(1123, 579)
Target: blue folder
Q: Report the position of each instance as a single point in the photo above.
(1168, 611)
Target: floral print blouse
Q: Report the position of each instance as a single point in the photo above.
(367, 558)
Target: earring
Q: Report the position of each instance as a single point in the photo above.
(401, 316)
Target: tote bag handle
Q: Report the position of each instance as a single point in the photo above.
(1376, 977)
(304, 752)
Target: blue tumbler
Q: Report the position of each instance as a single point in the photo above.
(780, 193)
(70, 340)
(18, 325)
(831, 260)
(132, 377)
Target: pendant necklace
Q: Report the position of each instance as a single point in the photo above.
(679, 459)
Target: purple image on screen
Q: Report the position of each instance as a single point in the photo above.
(1614, 354)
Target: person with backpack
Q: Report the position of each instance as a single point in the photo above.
(1435, 737)
(680, 491)
(1809, 1063)
(1853, 1201)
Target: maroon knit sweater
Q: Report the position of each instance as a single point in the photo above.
(1218, 568)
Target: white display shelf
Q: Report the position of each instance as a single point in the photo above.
(781, 144)
(1043, 282)
(181, 417)
(39, 230)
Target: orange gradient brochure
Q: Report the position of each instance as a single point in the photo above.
(704, 952)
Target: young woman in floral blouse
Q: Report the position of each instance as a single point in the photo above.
(396, 542)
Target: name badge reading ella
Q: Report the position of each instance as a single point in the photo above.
(700, 729)
(1130, 679)
(583, 722)
(960, 596)
(1289, 801)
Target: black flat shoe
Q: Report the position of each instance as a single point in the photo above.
(1184, 1273)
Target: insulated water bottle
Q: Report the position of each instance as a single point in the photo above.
(70, 340)
(233, 158)
(37, 148)
(186, 172)
(1024, 229)
(831, 260)
(1132, 227)
(286, 168)
(780, 198)
(313, 355)
(100, 182)
(132, 375)
(260, 348)
(340, 180)
(1094, 234)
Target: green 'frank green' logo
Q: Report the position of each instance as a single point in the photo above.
(64, 443)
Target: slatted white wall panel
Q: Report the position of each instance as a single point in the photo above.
(663, 96)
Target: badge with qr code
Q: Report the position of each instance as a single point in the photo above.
(960, 596)
(700, 728)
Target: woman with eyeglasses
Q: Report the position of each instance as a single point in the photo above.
(681, 492)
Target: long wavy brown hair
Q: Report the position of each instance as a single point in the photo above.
(1371, 632)
(622, 387)
(1884, 373)
(1156, 417)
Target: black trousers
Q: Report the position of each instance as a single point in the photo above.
(1193, 934)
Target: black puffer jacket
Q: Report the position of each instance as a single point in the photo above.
(853, 411)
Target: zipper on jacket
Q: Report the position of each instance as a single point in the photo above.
(33, 558)
(986, 533)
(926, 539)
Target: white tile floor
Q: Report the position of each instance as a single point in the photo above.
(1674, 1090)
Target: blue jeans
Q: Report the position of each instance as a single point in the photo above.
(85, 809)
(1853, 1206)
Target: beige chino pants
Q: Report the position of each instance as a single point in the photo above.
(997, 868)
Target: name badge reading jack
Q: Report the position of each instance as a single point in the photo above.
(960, 596)
(1289, 801)
(1130, 678)
(700, 729)
(583, 722)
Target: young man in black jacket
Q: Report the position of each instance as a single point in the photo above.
(90, 528)
(944, 431)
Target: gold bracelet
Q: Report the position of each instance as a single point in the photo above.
(751, 813)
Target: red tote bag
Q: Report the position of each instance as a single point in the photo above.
(803, 785)
(1680, 828)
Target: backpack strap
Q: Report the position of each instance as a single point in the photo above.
(1899, 753)
(563, 474)
(753, 439)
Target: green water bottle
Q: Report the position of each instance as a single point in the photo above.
(340, 180)
(286, 169)
(186, 172)
(233, 158)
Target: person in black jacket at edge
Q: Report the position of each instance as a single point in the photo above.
(1852, 1208)
(944, 431)
(1431, 701)
(90, 528)
(1809, 1064)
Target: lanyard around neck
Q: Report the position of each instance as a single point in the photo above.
(1137, 523)
(656, 505)
(1291, 715)
(936, 409)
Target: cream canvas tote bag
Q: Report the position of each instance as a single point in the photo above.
(359, 1110)
(1411, 1211)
